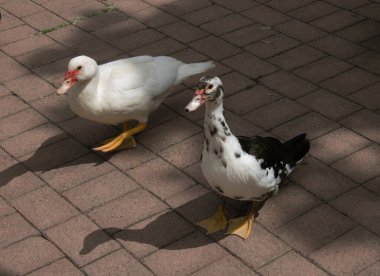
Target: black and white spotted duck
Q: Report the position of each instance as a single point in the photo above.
(242, 168)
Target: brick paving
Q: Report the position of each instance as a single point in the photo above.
(288, 66)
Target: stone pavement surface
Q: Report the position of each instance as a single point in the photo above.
(288, 66)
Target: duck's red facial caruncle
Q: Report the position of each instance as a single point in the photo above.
(69, 80)
(197, 101)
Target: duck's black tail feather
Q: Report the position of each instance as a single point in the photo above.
(296, 149)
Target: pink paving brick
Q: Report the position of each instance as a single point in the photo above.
(361, 31)
(184, 153)
(153, 17)
(62, 267)
(117, 263)
(250, 34)
(156, 232)
(265, 15)
(43, 20)
(19, 123)
(4, 91)
(367, 61)
(238, 5)
(280, 111)
(287, 5)
(320, 179)
(11, 69)
(17, 33)
(226, 24)
(350, 253)
(328, 104)
(119, 29)
(371, 270)
(30, 87)
(240, 126)
(71, 235)
(234, 82)
(44, 207)
(215, 47)
(35, 252)
(100, 190)
(185, 6)
(362, 165)
(184, 256)
(21, 8)
(127, 210)
(300, 31)
(14, 228)
(5, 209)
(291, 263)
(287, 84)
(168, 134)
(163, 47)
(161, 178)
(9, 21)
(101, 20)
(374, 185)
(97, 49)
(10, 105)
(183, 31)
(367, 97)
(315, 229)
(228, 265)
(364, 212)
(337, 144)
(76, 172)
(131, 158)
(206, 14)
(250, 99)
(337, 20)
(260, 248)
(291, 202)
(312, 123)
(69, 35)
(27, 45)
(32, 140)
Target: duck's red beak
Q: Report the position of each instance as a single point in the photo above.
(69, 80)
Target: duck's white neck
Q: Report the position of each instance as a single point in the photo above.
(215, 125)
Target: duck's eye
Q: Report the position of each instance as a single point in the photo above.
(210, 86)
(79, 67)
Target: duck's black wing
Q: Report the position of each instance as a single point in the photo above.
(275, 154)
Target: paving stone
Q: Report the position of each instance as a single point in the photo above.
(5, 209)
(100, 190)
(117, 263)
(291, 263)
(320, 179)
(364, 212)
(153, 17)
(362, 165)
(348, 4)
(329, 104)
(168, 134)
(288, 84)
(127, 210)
(313, 124)
(296, 57)
(97, 49)
(313, 11)
(287, 5)
(368, 97)
(215, 47)
(291, 201)
(250, 99)
(184, 256)
(11, 69)
(43, 20)
(249, 34)
(14, 228)
(226, 24)
(260, 248)
(116, 30)
(349, 81)
(185, 6)
(76, 172)
(372, 270)
(35, 252)
(9, 21)
(10, 105)
(365, 123)
(374, 185)
(350, 253)
(337, 144)
(271, 46)
(315, 229)
(32, 140)
(367, 61)
(361, 31)
(154, 233)
(337, 20)
(338, 47)
(234, 82)
(300, 30)
(137, 39)
(62, 267)
(280, 111)
(15, 34)
(44, 207)
(370, 11)
(165, 46)
(20, 122)
(27, 45)
(161, 178)
(238, 5)
(71, 235)
(101, 20)
(265, 15)
(183, 31)
(228, 265)
(4, 91)
(240, 126)
(206, 14)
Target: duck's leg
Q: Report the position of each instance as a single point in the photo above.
(242, 226)
(216, 222)
(126, 134)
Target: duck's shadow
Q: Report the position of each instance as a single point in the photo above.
(166, 227)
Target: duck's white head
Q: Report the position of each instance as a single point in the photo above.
(209, 89)
(80, 68)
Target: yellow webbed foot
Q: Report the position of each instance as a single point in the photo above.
(241, 226)
(215, 223)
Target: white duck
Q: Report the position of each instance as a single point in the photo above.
(123, 90)
(242, 168)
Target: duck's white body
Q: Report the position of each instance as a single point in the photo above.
(129, 89)
(228, 169)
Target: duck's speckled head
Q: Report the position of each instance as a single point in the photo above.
(209, 89)
(80, 68)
